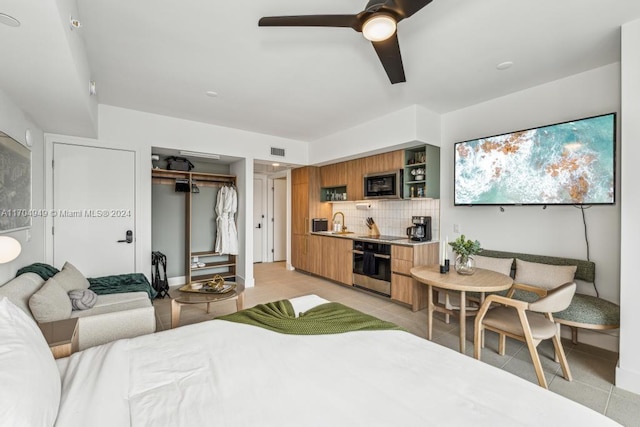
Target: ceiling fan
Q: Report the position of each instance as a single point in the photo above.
(377, 22)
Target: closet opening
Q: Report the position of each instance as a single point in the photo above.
(194, 217)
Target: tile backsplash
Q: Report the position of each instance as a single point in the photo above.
(392, 216)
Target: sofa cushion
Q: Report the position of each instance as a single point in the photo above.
(20, 289)
(50, 302)
(30, 391)
(82, 299)
(543, 275)
(500, 265)
(71, 278)
(115, 302)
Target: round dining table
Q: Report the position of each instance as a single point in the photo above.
(481, 281)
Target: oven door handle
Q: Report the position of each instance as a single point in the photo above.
(375, 255)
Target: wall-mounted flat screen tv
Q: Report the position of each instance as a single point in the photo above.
(570, 163)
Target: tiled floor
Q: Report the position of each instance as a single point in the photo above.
(593, 369)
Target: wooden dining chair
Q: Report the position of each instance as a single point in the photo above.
(531, 322)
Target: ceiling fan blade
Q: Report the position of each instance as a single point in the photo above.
(389, 53)
(350, 21)
(406, 8)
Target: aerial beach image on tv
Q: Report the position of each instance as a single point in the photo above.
(566, 163)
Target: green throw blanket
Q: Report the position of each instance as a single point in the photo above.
(45, 271)
(134, 282)
(329, 318)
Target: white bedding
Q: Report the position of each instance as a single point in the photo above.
(228, 374)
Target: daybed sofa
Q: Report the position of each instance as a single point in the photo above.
(113, 316)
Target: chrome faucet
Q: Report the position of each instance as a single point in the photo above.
(343, 228)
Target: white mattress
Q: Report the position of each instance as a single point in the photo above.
(228, 374)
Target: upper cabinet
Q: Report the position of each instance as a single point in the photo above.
(334, 175)
(422, 172)
(333, 180)
(355, 185)
(385, 162)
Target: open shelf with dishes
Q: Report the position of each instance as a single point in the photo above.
(333, 194)
(422, 172)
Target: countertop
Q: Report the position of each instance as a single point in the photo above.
(356, 236)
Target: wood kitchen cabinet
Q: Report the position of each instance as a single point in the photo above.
(405, 288)
(334, 175)
(305, 204)
(314, 254)
(385, 162)
(355, 182)
(337, 259)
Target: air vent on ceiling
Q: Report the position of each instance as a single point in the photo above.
(277, 151)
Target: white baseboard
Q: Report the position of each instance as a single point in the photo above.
(175, 281)
(628, 380)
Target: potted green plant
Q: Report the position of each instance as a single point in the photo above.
(465, 249)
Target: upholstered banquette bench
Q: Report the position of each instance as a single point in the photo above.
(585, 311)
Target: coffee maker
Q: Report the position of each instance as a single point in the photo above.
(421, 229)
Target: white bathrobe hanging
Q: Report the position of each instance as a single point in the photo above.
(226, 208)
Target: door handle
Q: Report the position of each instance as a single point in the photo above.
(259, 225)
(128, 238)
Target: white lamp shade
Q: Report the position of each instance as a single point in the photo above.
(9, 249)
(379, 28)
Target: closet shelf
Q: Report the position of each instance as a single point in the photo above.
(218, 264)
(160, 174)
(206, 253)
(207, 277)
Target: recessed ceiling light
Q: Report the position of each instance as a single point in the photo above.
(275, 165)
(504, 65)
(9, 20)
(211, 93)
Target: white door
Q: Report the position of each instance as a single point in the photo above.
(258, 219)
(279, 219)
(93, 204)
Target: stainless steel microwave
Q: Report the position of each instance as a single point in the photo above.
(385, 185)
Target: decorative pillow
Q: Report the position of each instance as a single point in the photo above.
(70, 278)
(30, 391)
(82, 299)
(543, 275)
(50, 303)
(500, 265)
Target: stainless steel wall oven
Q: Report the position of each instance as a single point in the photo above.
(372, 267)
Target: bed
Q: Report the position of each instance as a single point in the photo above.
(227, 373)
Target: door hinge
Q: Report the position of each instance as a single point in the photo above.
(52, 232)
(52, 163)
(271, 250)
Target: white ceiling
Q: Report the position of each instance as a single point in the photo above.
(161, 56)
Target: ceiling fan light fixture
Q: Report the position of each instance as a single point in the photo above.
(379, 27)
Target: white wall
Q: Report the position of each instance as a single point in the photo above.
(15, 123)
(400, 129)
(628, 372)
(557, 230)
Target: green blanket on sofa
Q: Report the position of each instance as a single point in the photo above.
(133, 282)
(329, 318)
